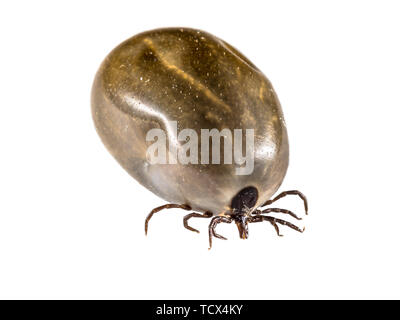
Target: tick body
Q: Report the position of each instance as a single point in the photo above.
(174, 79)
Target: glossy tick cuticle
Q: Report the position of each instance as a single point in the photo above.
(182, 82)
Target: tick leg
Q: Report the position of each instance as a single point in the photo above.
(291, 192)
(276, 228)
(166, 206)
(260, 219)
(285, 223)
(280, 211)
(274, 222)
(217, 235)
(194, 215)
(213, 224)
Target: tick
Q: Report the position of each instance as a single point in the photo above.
(198, 124)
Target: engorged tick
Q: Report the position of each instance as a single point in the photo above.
(175, 78)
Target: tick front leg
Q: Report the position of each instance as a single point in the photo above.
(194, 215)
(279, 211)
(213, 224)
(260, 219)
(285, 223)
(274, 221)
(276, 228)
(290, 192)
(166, 206)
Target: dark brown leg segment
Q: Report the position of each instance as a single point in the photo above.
(274, 222)
(194, 215)
(276, 228)
(290, 192)
(213, 224)
(166, 206)
(281, 211)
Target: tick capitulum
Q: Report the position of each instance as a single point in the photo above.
(242, 212)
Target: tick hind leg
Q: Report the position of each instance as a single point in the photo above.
(286, 193)
(195, 215)
(166, 206)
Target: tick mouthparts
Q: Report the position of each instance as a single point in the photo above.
(243, 231)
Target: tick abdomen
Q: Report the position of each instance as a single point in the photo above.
(200, 82)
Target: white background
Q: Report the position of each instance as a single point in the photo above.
(71, 220)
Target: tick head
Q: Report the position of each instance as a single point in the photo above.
(241, 207)
(242, 224)
(244, 201)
